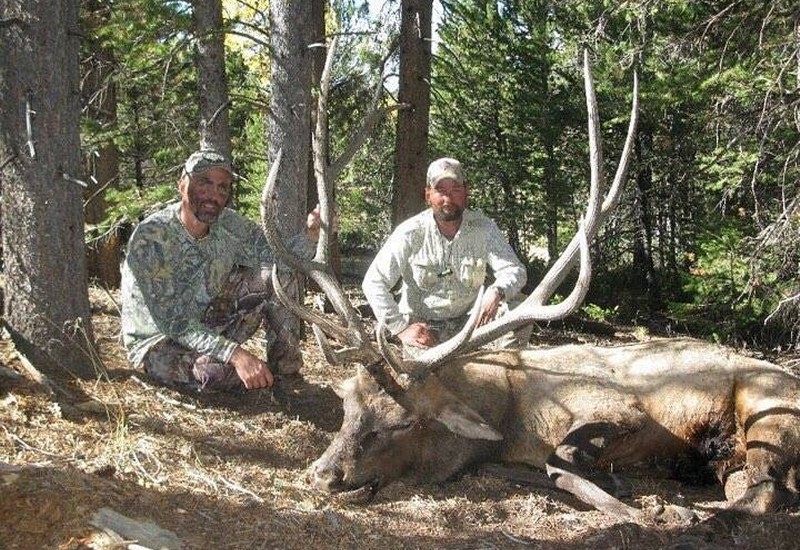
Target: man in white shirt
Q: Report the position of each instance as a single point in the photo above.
(442, 256)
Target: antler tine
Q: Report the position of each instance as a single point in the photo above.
(558, 271)
(334, 357)
(309, 316)
(386, 350)
(437, 354)
(271, 229)
(434, 356)
(528, 312)
(532, 309)
(320, 139)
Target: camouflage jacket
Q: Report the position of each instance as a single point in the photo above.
(169, 278)
(441, 277)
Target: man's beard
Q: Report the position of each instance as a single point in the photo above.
(206, 211)
(452, 214)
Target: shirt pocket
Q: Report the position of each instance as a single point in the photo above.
(425, 275)
(473, 272)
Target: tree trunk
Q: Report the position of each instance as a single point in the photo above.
(412, 124)
(46, 301)
(646, 278)
(289, 126)
(551, 200)
(212, 82)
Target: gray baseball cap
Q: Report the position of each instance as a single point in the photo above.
(205, 159)
(445, 168)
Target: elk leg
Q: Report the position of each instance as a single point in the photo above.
(771, 441)
(581, 449)
(591, 494)
(577, 454)
(521, 475)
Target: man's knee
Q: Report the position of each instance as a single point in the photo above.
(170, 364)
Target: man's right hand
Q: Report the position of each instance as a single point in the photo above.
(251, 370)
(417, 334)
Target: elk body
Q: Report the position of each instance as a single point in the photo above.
(575, 411)
(579, 412)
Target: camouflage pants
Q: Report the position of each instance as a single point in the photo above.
(246, 302)
(447, 328)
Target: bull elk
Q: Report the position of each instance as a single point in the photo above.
(575, 412)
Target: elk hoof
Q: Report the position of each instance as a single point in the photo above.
(766, 496)
(735, 485)
(622, 487)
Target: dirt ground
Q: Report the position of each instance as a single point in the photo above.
(227, 471)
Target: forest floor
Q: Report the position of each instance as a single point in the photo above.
(229, 471)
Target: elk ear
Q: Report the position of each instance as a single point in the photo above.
(349, 385)
(433, 400)
(464, 421)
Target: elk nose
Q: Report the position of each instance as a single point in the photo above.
(327, 478)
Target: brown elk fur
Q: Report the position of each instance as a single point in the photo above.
(578, 412)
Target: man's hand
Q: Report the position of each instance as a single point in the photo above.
(491, 301)
(417, 334)
(251, 370)
(313, 223)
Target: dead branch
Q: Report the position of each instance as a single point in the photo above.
(145, 534)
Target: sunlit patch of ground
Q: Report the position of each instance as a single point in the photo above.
(225, 471)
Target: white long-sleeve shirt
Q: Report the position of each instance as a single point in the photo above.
(440, 277)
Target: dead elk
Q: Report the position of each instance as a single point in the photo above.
(575, 412)
(579, 413)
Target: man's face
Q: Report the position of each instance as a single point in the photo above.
(447, 199)
(206, 193)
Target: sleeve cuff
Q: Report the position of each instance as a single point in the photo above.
(396, 325)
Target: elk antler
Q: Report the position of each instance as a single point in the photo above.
(534, 308)
(352, 334)
(382, 363)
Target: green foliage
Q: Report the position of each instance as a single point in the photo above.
(132, 204)
(719, 273)
(599, 313)
(718, 281)
(708, 217)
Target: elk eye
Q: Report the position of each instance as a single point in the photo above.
(403, 426)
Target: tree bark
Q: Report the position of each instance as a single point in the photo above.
(212, 81)
(645, 276)
(289, 127)
(412, 124)
(46, 304)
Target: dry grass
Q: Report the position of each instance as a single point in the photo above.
(225, 471)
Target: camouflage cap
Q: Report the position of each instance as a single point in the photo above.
(205, 159)
(445, 168)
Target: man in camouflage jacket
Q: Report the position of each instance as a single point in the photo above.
(442, 256)
(196, 285)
